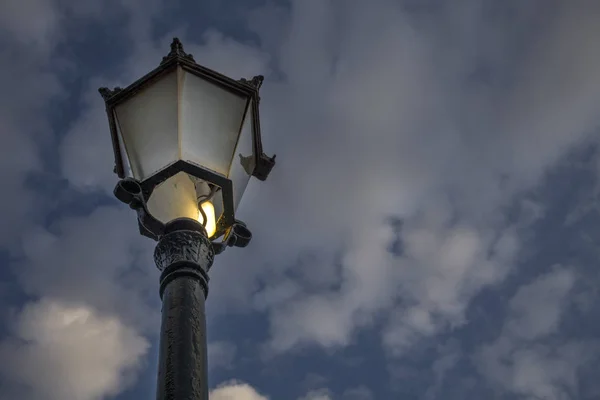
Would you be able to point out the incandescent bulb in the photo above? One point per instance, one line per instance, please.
(210, 224)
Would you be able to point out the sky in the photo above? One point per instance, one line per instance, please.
(429, 231)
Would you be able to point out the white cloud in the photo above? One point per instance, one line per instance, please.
(87, 158)
(66, 261)
(328, 318)
(118, 277)
(443, 267)
(322, 111)
(61, 351)
(441, 366)
(519, 361)
(538, 371)
(95, 286)
(236, 391)
(536, 308)
(379, 119)
(321, 394)
(31, 31)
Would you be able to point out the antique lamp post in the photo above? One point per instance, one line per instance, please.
(186, 141)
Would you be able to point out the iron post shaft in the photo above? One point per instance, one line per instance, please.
(184, 255)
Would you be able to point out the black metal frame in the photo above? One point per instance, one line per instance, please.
(131, 192)
(178, 57)
(226, 219)
(247, 88)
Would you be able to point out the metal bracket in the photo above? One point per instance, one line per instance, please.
(129, 191)
(264, 165)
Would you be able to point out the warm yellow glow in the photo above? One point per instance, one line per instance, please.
(211, 224)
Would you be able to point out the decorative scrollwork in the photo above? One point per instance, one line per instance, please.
(255, 82)
(264, 165)
(184, 245)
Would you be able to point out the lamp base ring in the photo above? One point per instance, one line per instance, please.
(181, 269)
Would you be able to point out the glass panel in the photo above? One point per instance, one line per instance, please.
(218, 204)
(210, 122)
(124, 159)
(148, 125)
(244, 159)
(176, 197)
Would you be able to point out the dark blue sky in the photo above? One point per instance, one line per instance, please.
(429, 232)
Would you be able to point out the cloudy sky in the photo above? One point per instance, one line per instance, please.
(430, 230)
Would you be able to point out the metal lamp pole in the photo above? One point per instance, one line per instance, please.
(183, 255)
(155, 149)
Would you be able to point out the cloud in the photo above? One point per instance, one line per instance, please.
(328, 318)
(66, 351)
(118, 277)
(40, 24)
(519, 360)
(221, 354)
(443, 267)
(441, 366)
(32, 34)
(323, 110)
(92, 288)
(65, 262)
(86, 153)
(235, 391)
(33, 22)
(536, 308)
(539, 371)
(321, 394)
(21, 135)
(383, 113)
(86, 150)
(440, 120)
(358, 393)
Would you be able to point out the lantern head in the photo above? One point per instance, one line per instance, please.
(190, 138)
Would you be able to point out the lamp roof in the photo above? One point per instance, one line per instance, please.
(178, 57)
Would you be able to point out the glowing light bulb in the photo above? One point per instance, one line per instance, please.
(211, 224)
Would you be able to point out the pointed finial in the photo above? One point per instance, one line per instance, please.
(177, 51)
(176, 45)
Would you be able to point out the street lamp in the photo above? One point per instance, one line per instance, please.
(186, 141)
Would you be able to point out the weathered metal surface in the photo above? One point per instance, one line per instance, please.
(184, 256)
(182, 370)
(190, 246)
